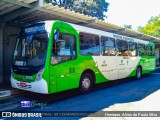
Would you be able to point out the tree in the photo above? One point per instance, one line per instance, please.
(94, 8)
(128, 26)
(140, 27)
(61, 3)
(152, 28)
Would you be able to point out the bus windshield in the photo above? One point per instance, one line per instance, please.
(31, 50)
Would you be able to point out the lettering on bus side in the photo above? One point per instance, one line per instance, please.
(127, 38)
(123, 37)
(117, 36)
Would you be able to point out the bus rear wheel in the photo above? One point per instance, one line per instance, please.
(138, 73)
(86, 83)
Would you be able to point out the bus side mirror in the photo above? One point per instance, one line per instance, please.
(56, 35)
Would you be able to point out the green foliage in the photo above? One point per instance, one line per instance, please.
(140, 27)
(94, 8)
(152, 28)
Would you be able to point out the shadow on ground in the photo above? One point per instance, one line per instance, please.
(103, 95)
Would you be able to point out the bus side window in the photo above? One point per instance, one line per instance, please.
(105, 46)
(148, 50)
(64, 49)
(112, 47)
(122, 48)
(108, 46)
(141, 49)
(152, 50)
(89, 44)
(132, 49)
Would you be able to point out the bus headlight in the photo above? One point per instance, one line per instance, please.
(39, 75)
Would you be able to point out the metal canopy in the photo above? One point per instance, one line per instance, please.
(23, 12)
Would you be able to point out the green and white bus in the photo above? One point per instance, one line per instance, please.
(53, 56)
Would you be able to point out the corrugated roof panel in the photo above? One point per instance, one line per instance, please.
(2, 3)
(10, 9)
(48, 11)
(5, 6)
(27, 1)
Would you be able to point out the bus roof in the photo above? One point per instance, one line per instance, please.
(88, 30)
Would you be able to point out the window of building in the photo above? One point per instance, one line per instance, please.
(122, 48)
(132, 49)
(108, 46)
(64, 49)
(89, 44)
(141, 49)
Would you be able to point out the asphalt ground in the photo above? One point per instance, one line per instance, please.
(121, 95)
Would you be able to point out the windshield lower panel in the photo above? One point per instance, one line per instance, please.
(23, 70)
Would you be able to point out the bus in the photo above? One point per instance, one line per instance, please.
(54, 56)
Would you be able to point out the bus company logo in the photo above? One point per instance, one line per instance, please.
(6, 114)
(104, 63)
(25, 103)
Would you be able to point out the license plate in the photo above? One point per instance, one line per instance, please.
(22, 84)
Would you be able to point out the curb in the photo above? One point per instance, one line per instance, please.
(7, 93)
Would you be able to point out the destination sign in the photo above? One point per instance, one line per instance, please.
(123, 37)
(34, 29)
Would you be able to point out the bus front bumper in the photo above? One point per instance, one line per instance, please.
(37, 86)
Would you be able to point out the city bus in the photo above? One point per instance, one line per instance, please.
(54, 56)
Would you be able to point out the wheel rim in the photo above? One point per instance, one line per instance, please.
(138, 73)
(86, 83)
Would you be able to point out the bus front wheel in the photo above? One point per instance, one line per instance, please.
(138, 73)
(86, 83)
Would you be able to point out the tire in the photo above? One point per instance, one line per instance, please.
(86, 83)
(138, 73)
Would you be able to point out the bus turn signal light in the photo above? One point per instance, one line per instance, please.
(53, 82)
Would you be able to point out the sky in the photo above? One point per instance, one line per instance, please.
(132, 12)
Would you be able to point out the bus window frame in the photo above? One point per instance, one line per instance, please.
(109, 38)
(151, 51)
(135, 48)
(71, 56)
(144, 49)
(84, 33)
(117, 48)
